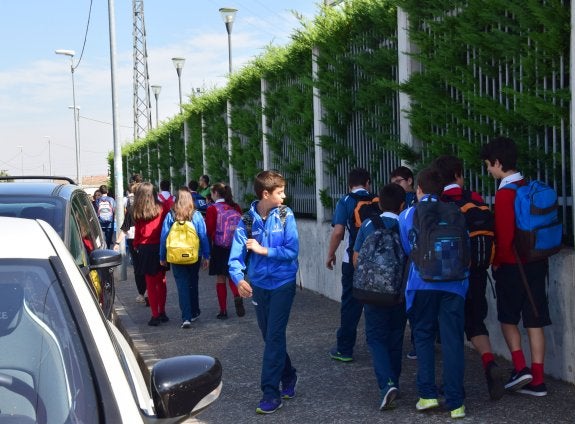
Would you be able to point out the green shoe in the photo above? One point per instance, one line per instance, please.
(459, 412)
(425, 404)
(335, 354)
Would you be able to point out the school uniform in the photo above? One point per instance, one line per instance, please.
(273, 281)
(434, 306)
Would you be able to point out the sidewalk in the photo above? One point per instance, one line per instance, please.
(328, 391)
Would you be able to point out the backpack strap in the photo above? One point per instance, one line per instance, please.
(377, 222)
(248, 221)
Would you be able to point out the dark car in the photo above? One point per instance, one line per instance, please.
(69, 210)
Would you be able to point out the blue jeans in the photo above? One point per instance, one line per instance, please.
(108, 230)
(272, 311)
(187, 277)
(351, 311)
(384, 329)
(430, 309)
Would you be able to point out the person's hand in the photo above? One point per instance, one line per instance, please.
(116, 247)
(330, 263)
(244, 289)
(205, 264)
(254, 246)
(164, 263)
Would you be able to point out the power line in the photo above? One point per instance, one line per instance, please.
(103, 122)
(85, 36)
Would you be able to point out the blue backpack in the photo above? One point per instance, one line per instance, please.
(538, 231)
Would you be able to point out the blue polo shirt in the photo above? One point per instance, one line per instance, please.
(343, 215)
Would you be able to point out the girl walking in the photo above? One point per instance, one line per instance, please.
(148, 215)
(186, 276)
(222, 217)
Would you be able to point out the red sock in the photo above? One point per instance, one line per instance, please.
(537, 372)
(222, 291)
(518, 360)
(233, 288)
(486, 358)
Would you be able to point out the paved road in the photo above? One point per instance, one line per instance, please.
(328, 391)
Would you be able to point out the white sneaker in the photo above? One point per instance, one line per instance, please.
(140, 299)
(186, 324)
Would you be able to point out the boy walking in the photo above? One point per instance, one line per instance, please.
(350, 309)
(500, 157)
(451, 170)
(384, 326)
(431, 305)
(273, 249)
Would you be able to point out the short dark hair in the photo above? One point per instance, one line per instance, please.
(103, 189)
(391, 198)
(206, 179)
(429, 181)
(450, 167)
(193, 185)
(136, 178)
(165, 185)
(358, 177)
(502, 149)
(268, 181)
(403, 172)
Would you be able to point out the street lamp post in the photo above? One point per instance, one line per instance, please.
(76, 110)
(179, 64)
(228, 15)
(49, 155)
(156, 90)
(71, 54)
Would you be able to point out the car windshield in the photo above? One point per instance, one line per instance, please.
(49, 209)
(44, 372)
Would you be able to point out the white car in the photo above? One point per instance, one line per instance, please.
(62, 361)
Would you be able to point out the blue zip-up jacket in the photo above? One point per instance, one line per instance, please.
(414, 281)
(199, 225)
(280, 265)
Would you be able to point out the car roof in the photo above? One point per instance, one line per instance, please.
(24, 239)
(38, 188)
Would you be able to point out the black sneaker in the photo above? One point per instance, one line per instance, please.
(519, 379)
(495, 377)
(222, 315)
(154, 322)
(239, 303)
(163, 317)
(530, 389)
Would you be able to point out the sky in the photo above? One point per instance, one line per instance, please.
(36, 114)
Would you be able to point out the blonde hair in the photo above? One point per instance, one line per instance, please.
(184, 205)
(146, 203)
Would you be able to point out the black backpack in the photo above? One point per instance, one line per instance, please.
(378, 277)
(439, 241)
(480, 225)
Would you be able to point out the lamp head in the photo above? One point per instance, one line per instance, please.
(70, 53)
(228, 14)
(156, 89)
(178, 62)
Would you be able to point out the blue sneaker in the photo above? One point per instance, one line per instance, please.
(338, 356)
(388, 398)
(269, 406)
(288, 388)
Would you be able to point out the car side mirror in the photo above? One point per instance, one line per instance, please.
(185, 385)
(104, 258)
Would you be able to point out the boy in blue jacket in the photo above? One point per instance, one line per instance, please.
(432, 306)
(273, 249)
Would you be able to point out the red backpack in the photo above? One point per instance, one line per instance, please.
(226, 223)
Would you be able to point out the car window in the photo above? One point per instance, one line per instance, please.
(49, 209)
(88, 225)
(42, 348)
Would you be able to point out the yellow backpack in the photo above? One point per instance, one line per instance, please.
(182, 244)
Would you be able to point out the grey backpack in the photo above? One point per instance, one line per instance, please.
(378, 278)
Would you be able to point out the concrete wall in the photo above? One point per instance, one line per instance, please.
(560, 337)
